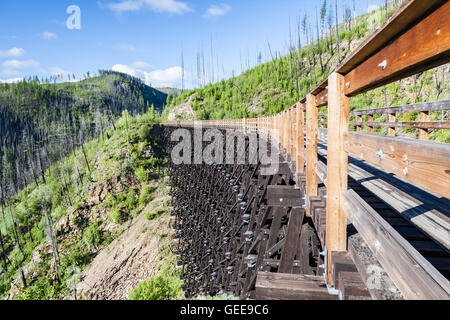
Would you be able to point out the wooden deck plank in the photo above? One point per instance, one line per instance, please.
(279, 286)
(340, 262)
(351, 287)
(425, 215)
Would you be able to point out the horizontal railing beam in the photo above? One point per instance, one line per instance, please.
(423, 47)
(411, 125)
(418, 107)
(421, 162)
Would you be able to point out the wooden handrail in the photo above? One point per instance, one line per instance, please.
(418, 107)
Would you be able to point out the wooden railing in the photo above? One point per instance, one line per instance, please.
(391, 114)
(414, 39)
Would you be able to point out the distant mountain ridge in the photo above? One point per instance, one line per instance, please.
(42, 122)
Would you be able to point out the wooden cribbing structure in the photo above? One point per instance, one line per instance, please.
(414, 39)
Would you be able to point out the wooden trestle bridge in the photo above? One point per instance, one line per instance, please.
(349, 215)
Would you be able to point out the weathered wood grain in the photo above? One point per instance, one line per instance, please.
(337, 167)
(311, 149)
(424, 213)
(351, 287)
(279, 286)
(426, 164)
(415, 277)
(421, 48)
(418, 107)
(340, 262)
(292, 236)
(300, 141)
(412, 125)
(408, 13)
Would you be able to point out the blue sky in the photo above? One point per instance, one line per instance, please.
(145, 37)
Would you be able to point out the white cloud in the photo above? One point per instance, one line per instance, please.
(170, 77)
(371, 8)
(48, 35)
(12, 67)
(20, 64)
(217, 10)
(54, 71)
(124, 6)
(170, 6)
(13, 52)
(128, 70)
(166, 78)
(141, 65)
(13, 80)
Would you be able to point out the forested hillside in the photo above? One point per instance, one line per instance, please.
(278, 84)
(41, 122)
(52, 229)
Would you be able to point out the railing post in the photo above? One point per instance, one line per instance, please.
(294, 132)
(392, 119)
(370, 119)
(358, 128)
(287, 124)
(423, 133)
(283, 126)
(265, 125)
(312, 114)
(299, 142)
(279, 132)
(337, 167)
(292, 118)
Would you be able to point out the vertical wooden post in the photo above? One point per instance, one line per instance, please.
(392, 119)
(284, 127)
(370, 120)
(358, 128)
(290, 135)
(280, 126)
(278, 130)
(300, 142)
(312, 114)
(273, 128)
(337, 167)
(423, 133)
(286, 134)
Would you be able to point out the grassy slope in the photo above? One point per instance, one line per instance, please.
(127, 162)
